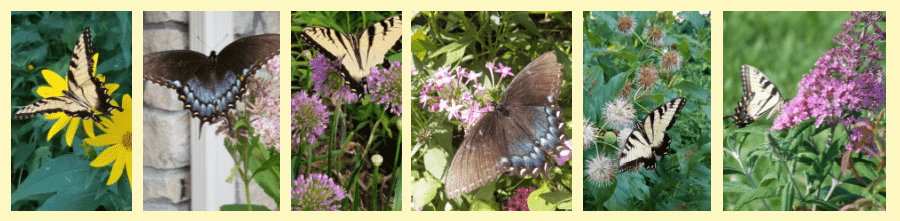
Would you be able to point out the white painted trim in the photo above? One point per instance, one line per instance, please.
(210, 162)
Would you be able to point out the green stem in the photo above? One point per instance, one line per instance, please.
(331, 140)
(247, 193)
(375, 189)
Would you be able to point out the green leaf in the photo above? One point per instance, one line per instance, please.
(756, 193)
(537, 203)
(265, 178)
(64, 173)
(423, 190)
(242, 207)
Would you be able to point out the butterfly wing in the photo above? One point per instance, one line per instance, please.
(648, 141)
(539, 83)
(760, 96)
(64, 104)
(359, 53)
(477, 161)
(248, 54)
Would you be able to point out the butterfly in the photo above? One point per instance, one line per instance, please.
(209, 86)
(760, 96)
(520, 136)
(85, 92)
(648, 142)
(357, 53)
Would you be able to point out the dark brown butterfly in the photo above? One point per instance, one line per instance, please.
(520, 136)
(209, 86)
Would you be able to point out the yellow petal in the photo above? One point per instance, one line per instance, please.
(89, 127)
(95, 63)
(59, 125)
(116, 171)
(47, 91)
(128, 167)
(112, 87)
(108, 156)
(73, 127)
(56, 115)
(55, 80)
(104, 140)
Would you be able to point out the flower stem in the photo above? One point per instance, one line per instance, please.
(375, 189)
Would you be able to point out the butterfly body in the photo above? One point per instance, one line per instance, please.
(357, 53)
(85, 92)
(210, 86)
(760, 96)
(520, 136)
(648, 142)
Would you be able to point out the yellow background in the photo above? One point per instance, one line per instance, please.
(137, 7)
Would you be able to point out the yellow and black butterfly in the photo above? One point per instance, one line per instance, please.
(648, 142)
(358, 53)
(85, 94)
(760, 96)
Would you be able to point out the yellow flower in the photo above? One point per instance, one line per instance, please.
(118, 134)
(56, 88)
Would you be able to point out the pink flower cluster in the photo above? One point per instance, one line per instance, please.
(264, 108)
(519, 201)
(455, 91)
(846, 81)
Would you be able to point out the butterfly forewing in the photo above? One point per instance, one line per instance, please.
(539, 83)
(248, 53)
(83, 84)
(765, 94)
(477, 161)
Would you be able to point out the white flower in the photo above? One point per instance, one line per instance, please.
(590, 133)
(601, 170)
(619, 113)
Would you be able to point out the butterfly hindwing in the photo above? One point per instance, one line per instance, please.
(760, 96)
(85, 92)
(209, 86)
(520, 136)
(648, 141)
(357, 53)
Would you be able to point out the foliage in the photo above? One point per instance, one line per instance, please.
(356, 130)
(616, 65)
(445, 41)
(49, 174)
(812, 165)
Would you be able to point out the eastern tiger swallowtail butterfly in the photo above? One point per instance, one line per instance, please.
(358, 53)
(760, 96)
(85, 94)
(209, 86)
(520, 136)
(648, 142)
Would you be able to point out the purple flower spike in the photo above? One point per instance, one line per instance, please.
(309, 118)
(316, 192)
(385, 87)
